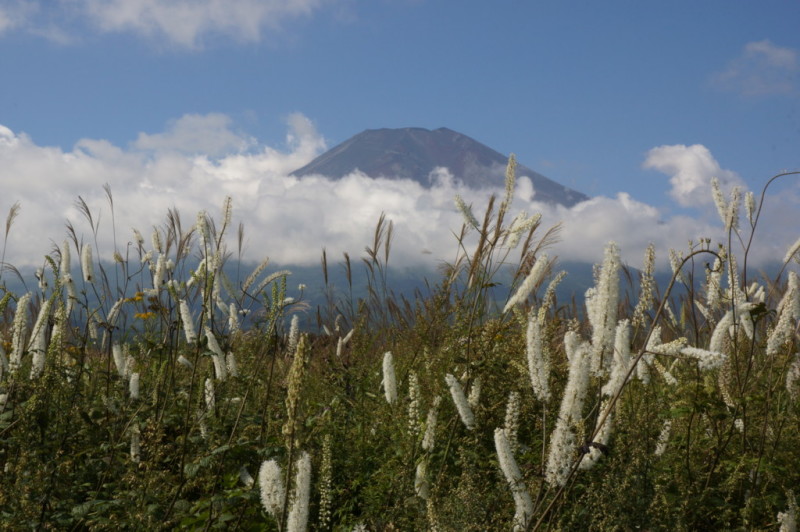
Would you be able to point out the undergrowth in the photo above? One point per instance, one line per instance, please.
(152, 390)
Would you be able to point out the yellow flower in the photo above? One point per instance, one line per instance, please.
(138, 296)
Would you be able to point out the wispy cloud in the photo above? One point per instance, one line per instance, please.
(690, 170)
(208, 134)
(186, 24)
(15, 13)
(291, 219)
(762, 69)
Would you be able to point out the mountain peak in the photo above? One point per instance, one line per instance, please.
(414, 152)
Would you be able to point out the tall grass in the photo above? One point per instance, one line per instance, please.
(156, 392)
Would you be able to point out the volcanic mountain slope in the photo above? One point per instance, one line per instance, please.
(412, 153)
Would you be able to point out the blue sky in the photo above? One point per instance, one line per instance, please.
(642, 98)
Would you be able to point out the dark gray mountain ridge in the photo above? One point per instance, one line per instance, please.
(412, 153)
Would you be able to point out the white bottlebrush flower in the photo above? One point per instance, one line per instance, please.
(298, 513)
(245, 477)
(421, 484)
(209, 395)
(92, 326)
(750, 207)
(187, 321)
(721, 334)
(130, 362)
(429, 438)
(706, 360)
(793, 378)
(522, 499)
(704, 311)
(159, 274)
(511, 425)
(217, 356)
(113, 314)
(86, 263)
(294, 334)
(563, 440)
(622, 359)
(538, 359)
(713, 290)
(675, 261)
(788, 314)
(572, 342)
(20, 331)
(133, 386)
(348, 337)
(792, 251)
(389, 380)
(460, 400)
(270, 483)
(646, 288)
(603, 431)
(601, 309)
(732, 213)
(791, 298)
(788, 519)
(233, 318)
(339, 347)
(182, 360)
(119, 359)
(136, 447)
(719, 200)
(533, 278)
(474, 397)
(669, 378)
(325, 484)
(232, 366)
(663, 437)
(3, 358)
(38, 346)
(413, 403)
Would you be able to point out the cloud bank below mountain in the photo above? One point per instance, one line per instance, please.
(200, 159)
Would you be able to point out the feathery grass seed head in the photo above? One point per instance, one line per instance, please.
(86, 263)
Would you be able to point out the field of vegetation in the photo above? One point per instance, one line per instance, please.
(148, 388)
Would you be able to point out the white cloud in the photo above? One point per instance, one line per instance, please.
(182, 23)
(15, 13)
(690, 169)
(291, 219)
(761, 69)
(192, 134)
(187, 23)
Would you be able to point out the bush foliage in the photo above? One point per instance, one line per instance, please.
(156, 391)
